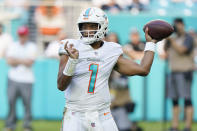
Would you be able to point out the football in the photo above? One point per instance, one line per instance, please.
(159, 29)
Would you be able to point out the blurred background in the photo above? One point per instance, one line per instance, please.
(49, 21)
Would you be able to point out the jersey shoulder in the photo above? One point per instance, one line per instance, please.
(115, 48)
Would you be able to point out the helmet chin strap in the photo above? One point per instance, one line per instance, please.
(87, 41)
(93, 42)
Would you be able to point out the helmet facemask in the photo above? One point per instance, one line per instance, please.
(91, 36)
(88, 35)
(96, 33)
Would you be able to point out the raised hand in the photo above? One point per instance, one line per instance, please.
(72, 52)
(148, 37)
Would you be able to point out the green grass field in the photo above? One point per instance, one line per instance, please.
(42, 125)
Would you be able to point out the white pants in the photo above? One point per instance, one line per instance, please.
(88, 121)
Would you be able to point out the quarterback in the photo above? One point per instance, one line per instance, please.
(84, 70)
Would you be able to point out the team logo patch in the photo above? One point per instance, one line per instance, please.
(87, 13)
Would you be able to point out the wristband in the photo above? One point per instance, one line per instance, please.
(70, 66)
(150, 46)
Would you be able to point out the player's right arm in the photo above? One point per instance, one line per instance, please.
(130, 68)
(63, 80)
(67, 67)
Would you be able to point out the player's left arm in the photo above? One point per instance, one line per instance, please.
(128, 67)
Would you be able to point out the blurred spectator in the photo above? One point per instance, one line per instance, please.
(20, 56)
(145, 2)
(121, 103)
(111, 7)
(136, 6)
(179, 48)
(121, 100)
(50, 22)
(135, 47)
(160, 49)
(5, 41)
(53, 47)
(99, 3)
(18, 4)
(112, 37)
(19, 8)
(193, 33)
(123, 4)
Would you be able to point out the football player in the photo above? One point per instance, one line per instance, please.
(84, 70)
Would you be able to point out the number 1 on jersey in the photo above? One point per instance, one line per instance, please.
(94, 70)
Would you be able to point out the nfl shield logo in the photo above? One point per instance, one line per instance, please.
(93, 124)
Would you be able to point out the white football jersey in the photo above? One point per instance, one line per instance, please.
(88, 89)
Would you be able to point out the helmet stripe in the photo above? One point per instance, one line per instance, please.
(87, 12)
